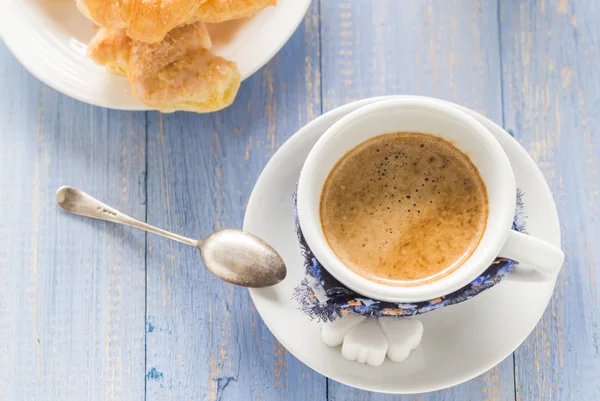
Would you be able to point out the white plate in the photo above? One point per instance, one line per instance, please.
(459, 342)
(49, 37)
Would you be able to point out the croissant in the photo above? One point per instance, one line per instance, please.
(225, 10)
(143, 20)
(151, 20)
(178, 73)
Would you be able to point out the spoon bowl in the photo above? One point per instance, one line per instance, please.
(242, 259)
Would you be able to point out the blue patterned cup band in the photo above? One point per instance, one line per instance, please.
(322, 297)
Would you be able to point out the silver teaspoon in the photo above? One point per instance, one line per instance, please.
(232, 255)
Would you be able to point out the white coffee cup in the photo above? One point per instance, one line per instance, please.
(433, 117)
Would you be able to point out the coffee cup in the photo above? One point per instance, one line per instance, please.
(431, 117)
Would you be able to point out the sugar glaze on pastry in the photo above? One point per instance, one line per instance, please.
(143, 20)
(151, 20)
(225, 10)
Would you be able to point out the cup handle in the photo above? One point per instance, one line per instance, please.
(544, 258)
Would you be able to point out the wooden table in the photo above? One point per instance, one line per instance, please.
(94, 311)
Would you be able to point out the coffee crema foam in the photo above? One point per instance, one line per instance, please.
(404, 209)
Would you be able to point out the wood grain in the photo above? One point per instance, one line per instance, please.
(552, 97)
(446, 49)
(72, 290)
(207, 342)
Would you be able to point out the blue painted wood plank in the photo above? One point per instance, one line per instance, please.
(446, 49)
(552, 97)
(72, 294)
(205, 340)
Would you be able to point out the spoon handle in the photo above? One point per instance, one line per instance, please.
(75, 201)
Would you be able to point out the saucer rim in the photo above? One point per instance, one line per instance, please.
(461, 378)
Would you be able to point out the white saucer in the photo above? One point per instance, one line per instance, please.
(49, 37)
(459, 342)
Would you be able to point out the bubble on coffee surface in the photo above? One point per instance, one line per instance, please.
(419, 199)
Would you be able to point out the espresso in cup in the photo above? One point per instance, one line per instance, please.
(404, 209)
